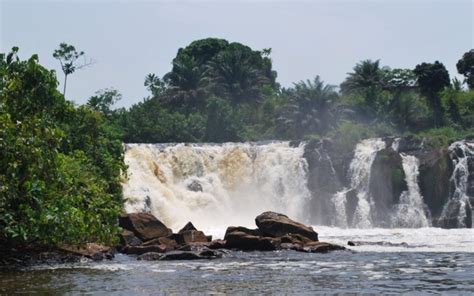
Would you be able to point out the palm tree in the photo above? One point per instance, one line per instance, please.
(366, 80)
(185, 82)
(234, 75)
(310, 108)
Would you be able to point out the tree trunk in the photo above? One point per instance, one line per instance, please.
(65, 82)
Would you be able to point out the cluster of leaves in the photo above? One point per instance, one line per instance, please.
(60, 166)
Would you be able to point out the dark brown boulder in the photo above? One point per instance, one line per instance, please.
(188, 226)
(169, 242)
(277, 225)
(190, 255)
(323, 247)
(190, 236)
(150, 256)
(246, 242)
(92, 251)
(246, 230)
(138, 250)
(144, 225)
(128, 238)
(217, 244)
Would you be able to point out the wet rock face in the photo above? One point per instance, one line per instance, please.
(435, 171)
(195, 186)
(275, 225)
(144, 225)
(387, 182)
(323, 181)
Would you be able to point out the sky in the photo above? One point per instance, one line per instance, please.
(129, 39)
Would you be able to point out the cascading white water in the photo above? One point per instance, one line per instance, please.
(410, 211)
(359, 172)
(461, 152)
(216, 185)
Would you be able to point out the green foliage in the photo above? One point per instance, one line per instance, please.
(60, 167)
(67, 55)
(432, 79)
(465, 67)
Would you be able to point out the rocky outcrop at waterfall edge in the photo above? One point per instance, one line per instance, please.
(275, 232)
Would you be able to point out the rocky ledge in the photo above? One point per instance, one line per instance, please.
(148, 238)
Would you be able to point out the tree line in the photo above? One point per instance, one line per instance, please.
(219, 91)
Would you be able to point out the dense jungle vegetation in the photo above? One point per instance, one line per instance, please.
(61, 164)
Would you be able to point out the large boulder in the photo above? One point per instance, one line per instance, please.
(189, 234)
(246, 242)
(144, 225)
(276, 225)
(182, 255)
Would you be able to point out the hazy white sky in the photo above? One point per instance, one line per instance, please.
(129, 39)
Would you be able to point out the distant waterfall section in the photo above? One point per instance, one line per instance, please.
(411, 210)
(359, 172)
(457, 211)
(216, 185)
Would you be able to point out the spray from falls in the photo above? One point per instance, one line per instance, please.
(216, 185)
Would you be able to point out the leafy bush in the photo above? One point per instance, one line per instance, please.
(60, 166)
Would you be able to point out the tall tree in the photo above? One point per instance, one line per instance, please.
(366, 80)
(68, 56)
(433, 78)
(465, 67)
(309, 109)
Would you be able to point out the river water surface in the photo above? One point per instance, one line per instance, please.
(434, 261)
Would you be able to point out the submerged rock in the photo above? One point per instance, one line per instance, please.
(380, 243)
(144, 225)
(276, 225)
(181, 255)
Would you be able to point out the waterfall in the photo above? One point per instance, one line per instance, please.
(457, 211)
(359, 172)
(216, 185)
(411, 210)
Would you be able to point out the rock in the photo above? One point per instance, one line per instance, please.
(217, 244)
(127, 238)
(188, 226)
(379, 243)
(435, 170)
(248, 231)
(190, 236)
(150, 256)
(169, 242)
(322, 247)
(387, 182)
(138, 250)
(195, 186)
(277, 225)
(246, 242)
(194, 247)
(92, 251)
(183, 255)
(144, 225)
(209, 238)
(323, 181)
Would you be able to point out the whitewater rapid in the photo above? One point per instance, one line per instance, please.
(213, 185)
